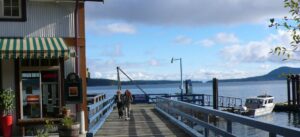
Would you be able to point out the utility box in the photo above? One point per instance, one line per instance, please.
(73, 89)
(188, 87)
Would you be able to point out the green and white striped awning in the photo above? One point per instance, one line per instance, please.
(33, 48)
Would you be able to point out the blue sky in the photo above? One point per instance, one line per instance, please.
(221, 38)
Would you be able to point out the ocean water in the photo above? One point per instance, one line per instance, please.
(278, 89)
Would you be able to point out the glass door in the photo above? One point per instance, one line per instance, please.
(50, 99)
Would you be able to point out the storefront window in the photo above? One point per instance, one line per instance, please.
(40, 94)
(31, 95)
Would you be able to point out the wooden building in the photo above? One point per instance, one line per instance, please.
(41, 42)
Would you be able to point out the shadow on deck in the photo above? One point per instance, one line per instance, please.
(144, 121)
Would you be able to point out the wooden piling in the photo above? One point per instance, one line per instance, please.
(297, 90)
(215, 93)
(293, 90)
(288, 82)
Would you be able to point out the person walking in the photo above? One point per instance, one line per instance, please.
(119, 101)
(127, 103)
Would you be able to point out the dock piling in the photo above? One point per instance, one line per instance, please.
(297, 90)
(215, 93)
(288, 82)
(293, 90)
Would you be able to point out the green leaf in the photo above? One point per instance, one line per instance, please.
(272, 20)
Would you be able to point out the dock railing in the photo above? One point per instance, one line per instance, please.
(98, 110)
(188, 116)
(207, 100)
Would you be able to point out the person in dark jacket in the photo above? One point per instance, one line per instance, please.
(119, 101)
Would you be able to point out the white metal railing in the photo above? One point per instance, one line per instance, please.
(188, 116)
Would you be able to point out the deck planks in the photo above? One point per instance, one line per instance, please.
(144, 121)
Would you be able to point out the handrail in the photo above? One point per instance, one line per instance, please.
(98, 113)
(206, 100)
(192, 113)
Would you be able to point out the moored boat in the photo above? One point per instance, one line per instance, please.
(260, 105)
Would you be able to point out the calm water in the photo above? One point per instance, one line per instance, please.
(234, 89)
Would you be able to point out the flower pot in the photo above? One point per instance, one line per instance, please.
(72, 131)
(7, 122)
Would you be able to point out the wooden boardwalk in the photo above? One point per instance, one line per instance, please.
(144, 121)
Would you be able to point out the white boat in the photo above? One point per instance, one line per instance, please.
(260, 105)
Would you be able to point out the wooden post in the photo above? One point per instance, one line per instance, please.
(293, 90)
(62, 81)
(215, 93)
(297, 90)
(288, 82)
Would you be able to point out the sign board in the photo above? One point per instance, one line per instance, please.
(49, 76)
(73, 89)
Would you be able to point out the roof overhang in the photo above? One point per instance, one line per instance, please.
(58, 1)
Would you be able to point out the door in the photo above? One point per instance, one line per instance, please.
(50, 99)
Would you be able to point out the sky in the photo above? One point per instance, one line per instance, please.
(221, 39)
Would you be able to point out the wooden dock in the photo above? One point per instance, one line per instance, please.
(144, 121)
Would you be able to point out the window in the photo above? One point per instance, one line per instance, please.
(12, 10)
(271, 101)
(40, 94)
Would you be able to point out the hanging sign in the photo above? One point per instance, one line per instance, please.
(73, 89)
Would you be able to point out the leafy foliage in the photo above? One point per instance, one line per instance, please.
(7, 98)
(67, 121)
(292, 25)
(45, 131)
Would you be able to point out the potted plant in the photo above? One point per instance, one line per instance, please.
(7, 98)
(69, 128)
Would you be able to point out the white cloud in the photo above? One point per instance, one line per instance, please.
(209, 74)
(112, 28)
(101, 68)
(120, 28)
(205, 43)
(265, 66)
(226, 38)
(154, 62)
(187, 12)
(113, 51)
(183, 40)
(219, 38)
(257, 51)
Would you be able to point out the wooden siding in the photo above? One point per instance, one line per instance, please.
(44, 19)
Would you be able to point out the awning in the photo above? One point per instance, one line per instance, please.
(33, 48)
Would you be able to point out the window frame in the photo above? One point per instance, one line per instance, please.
(22, 16)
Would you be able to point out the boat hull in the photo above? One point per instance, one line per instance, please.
(260, 111)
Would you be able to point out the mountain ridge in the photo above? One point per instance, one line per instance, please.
(276, 74)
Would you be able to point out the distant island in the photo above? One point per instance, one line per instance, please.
(109, 82)
(276, 74)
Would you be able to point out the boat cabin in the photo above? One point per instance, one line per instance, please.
(259, 101)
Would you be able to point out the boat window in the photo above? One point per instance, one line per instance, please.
(270, 100)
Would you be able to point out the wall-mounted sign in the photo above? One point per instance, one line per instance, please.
(73, 89)
(49, 76)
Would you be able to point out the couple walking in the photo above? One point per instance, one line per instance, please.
(124, 102)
